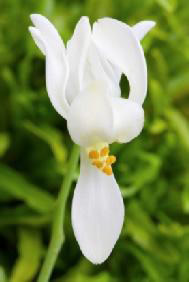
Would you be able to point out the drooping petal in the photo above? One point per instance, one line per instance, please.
(49, 42)
(90, 117)
(118, 43)
(77, 48)
(97, 212)
(142, 28)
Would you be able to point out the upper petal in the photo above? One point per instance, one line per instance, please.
(97, 212)
(90, 117)
(113, 72)
(118, 43)
(37, 37)
(99, 69)
(50, 43)
(142, 28)
(77, 48)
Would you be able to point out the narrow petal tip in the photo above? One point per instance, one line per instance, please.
(36, 35)
(33, 30)
(142, 28)
(150, 24)
(84, 18)
(30, 28)
(35, 17)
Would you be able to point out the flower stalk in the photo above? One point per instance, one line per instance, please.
(57, 234)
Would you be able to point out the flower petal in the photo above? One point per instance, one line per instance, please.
(97, 212)
(90, 117)
(100, 69)
(128, 119)
(119, 44)
(113, 72)
(36, 35)
(77, 48)
(49, 42)
(142, 28)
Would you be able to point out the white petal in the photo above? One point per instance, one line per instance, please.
(90, 117)
(77, 48)
(97, 212)
(113, 72)
(142, 28)
(48, 32)
(50, 43)
(128, 119)
(101, 69)
(36, 35)
(118, 43)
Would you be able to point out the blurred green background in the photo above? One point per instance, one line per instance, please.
(152, 171)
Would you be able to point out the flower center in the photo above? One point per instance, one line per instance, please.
(99, 157)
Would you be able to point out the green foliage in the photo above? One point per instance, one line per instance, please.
(152, 171)
(30, 251)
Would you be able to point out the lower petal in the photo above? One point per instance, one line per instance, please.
(97, 212)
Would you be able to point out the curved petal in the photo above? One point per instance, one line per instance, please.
(142, 28)
(90, 117)
(119, 44)
(77, 48)
(113, 72)
(49, 42)
(100, 69)
(128, 119)
(36, 35)
(97, 212)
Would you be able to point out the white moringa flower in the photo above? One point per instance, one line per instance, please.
(83, 85)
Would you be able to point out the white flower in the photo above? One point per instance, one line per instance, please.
(83, 85)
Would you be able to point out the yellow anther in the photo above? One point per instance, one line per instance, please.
(107, 170)
(99, 157)
(94, 154)
(98, 163)
(111, 160)
(104, 151)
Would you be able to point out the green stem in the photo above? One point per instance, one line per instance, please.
(57, 238)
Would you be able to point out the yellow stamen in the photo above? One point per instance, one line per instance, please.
(94, 154)
(99, 157)
(98, 163)
(104, 151)
(107, 170)
(111, 160)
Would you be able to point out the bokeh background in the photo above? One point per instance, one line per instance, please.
(152, 171)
